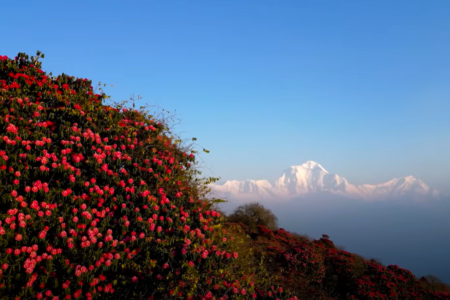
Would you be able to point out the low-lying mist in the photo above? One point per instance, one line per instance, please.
(414, 236)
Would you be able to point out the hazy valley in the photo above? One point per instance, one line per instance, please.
(402, 221)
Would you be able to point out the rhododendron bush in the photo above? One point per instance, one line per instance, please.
(97, 202)
(315, 269)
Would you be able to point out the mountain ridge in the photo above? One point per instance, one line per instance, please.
(311, 178)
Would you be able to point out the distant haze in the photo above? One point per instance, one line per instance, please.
(414, 236)
(401, 221)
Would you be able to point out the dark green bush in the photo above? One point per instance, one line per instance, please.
(254, 214)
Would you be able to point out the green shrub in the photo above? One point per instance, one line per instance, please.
(254, 214)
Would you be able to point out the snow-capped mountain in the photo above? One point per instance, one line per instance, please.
(311, 178)
(399, 187)
(247, 189)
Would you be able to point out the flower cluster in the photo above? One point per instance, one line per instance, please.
(97, 202)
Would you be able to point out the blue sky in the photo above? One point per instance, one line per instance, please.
(362, 87)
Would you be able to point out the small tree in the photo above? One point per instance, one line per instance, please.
(254, 214)
(433, 279)
(304, 238)
(376, 261)
(434, 284)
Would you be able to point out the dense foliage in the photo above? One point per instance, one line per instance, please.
(97, 201)
(254, 214)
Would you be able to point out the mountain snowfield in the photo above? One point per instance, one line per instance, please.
(311, 178)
